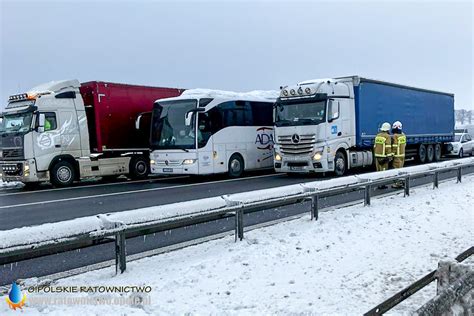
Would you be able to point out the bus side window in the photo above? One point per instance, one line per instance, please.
(262, 113)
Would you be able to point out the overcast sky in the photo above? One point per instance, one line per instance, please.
(236, 45)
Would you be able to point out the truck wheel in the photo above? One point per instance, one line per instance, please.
(62, 174)
(139, 168)
(340, 164)
(429, 153)
(236, 166)
(437, 152)
(421, 154)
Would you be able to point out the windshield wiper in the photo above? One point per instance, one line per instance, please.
(283, 123)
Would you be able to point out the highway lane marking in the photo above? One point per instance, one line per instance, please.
(136, 191)
(94, 185)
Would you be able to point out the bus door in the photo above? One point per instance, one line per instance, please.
(205, 144)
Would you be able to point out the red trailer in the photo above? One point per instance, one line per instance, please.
(112, 110)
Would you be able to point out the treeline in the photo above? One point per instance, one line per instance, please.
(464, 116)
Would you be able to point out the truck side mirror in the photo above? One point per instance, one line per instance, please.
(187, 118)
(41, 121)
(137, 121)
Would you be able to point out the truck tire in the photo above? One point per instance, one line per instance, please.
(340, 164)
(437, 152)
(138, 168)
(429, 153)
(62, 174)
(236, 166)
(421, 156)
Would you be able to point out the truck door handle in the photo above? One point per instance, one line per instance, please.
(339, 134)
(57, 146)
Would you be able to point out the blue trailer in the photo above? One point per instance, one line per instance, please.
(427, 115)
(329, 125)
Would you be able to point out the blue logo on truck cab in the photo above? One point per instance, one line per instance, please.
(334, 129)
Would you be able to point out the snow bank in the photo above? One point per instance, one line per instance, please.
(168, 211)
(347, 262)
(51, 232)
(48, 232)
(266, 95)
(9, 184)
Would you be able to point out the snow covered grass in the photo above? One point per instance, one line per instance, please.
(346, 263)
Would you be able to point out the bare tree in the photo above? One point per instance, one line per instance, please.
(460, 115)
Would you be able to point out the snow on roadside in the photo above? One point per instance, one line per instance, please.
(9, 184)
(350, 260)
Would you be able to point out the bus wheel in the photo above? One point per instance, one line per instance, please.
(62, 174)
(437, 152)
(429, 153)
(421, 157)
(138, 168)
(236, 166)
(340, 164)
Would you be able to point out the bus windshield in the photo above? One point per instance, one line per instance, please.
(170, 129)
(311, 113)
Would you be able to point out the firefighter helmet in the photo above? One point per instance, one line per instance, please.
(385, 127)
(397, 125)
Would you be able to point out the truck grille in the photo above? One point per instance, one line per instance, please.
(304, 146)
(12, 153)
(169, 163)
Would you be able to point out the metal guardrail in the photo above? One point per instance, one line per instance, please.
(119, 233)
(412, 289)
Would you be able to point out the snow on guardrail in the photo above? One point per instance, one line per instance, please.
(51, 233)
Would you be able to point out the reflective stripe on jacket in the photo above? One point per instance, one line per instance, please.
(382, 145)
(398, 145)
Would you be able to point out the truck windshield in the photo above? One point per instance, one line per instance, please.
(15, 123)
(170, 129)
(312, 113)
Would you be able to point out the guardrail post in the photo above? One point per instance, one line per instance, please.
(435, 180)
(120, 253)
(459, 174)
(367, 190)
(406, 192)
(315, 207)
(239, 225)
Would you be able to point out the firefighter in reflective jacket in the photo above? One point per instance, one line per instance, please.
(399, 143)
(383, 148)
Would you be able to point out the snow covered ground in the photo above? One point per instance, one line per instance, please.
(346, 263)
(9, 184)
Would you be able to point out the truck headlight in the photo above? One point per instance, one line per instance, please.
(26, 170)
(277, 157)
(319, 153)
(152, 162)
(188, 161)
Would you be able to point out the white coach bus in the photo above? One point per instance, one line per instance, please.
(209, 132)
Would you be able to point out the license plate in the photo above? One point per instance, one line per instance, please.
(167, 169)
(296, 168)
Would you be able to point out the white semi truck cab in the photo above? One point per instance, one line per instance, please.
(315, 128)
(41, 128)
(64, 131)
